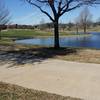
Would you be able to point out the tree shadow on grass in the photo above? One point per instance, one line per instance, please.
(30, 56)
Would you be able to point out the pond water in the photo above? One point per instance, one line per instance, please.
(91, 41)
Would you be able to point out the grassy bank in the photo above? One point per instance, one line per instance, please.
(6, 41)
(14, 92)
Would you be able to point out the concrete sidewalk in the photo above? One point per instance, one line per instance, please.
(74, 79)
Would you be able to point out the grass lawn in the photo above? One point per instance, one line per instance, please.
(14, 92)
(22, 33)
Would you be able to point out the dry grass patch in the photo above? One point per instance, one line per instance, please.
(14, 92)
(83, 55)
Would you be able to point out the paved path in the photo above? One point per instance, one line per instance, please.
(57, 76)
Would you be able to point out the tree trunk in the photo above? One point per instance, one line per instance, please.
(56, 34)
(77, 29)
(85, 29)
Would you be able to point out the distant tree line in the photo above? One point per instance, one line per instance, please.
(49, 26)
(70, 26)
(16, 26)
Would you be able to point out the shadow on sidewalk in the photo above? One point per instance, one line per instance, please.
(30, 56)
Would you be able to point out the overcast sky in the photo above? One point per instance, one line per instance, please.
(22, 13)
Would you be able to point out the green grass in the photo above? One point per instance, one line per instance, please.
(22, 33)
(14, 92)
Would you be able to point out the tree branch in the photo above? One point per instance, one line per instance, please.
(29, 1)
(51, 3)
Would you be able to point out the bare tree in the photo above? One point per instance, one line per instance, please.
(58, 8)
(98, 21)
(77, 26)
(69, 26)
(85, 19)
(4, 17)
(42, 24)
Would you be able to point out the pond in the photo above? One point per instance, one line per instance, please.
(91, 41)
